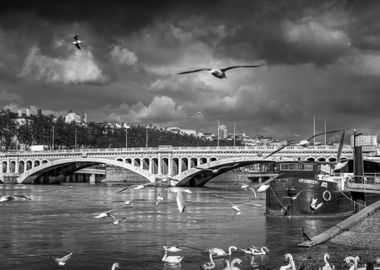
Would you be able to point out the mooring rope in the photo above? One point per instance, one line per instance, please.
(351, 199)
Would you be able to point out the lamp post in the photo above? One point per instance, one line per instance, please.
(217, 142)
(146, 136)
(75, 137)
(126, 136)
(52, 140)
(234, 134)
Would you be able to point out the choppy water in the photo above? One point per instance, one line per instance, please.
(60, 219)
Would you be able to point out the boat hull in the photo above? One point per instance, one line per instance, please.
(294, 196)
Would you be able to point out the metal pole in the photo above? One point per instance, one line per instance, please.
(146, 136)
(314, 130)
(326, 135)
(126, 137)
(234, 134)
(218, 135)
(75, 137)
(52, 141)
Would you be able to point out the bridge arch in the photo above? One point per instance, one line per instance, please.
(92, 161)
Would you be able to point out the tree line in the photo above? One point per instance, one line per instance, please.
(53, 131)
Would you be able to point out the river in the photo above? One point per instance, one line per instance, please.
(60, 219)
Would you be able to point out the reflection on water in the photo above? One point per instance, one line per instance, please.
(60, 219)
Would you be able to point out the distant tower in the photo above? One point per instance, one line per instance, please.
(19, 111)
(223, 131)
(27, 112)
(39, 112)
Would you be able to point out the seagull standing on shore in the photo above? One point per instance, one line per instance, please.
(305, 236)
(219, 73)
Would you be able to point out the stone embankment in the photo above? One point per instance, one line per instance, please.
(360, 230)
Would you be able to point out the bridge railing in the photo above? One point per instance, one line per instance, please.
(267, 148)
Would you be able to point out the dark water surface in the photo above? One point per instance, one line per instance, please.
(60, 219)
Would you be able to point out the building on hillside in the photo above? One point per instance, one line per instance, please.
(209, 136)
(80, 119)
(23, 117)
(190, 132)
(173, 129)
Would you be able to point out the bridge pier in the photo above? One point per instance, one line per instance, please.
(92, 179)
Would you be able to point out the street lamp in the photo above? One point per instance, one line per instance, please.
(146, 136)
(217, 142)
(75, 137)
(52, 140)
(234, 134)
(126, 136)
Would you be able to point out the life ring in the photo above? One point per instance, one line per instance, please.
(327, 195)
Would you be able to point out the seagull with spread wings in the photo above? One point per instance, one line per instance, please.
(180, 198)
(220, 73)
(62, 261)
(303, 143)
(141, 186)
(216, 170)
(76, 42)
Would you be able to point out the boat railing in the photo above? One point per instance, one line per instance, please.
(369, 182)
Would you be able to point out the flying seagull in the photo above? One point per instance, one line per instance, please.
(180, 197)
(215, 171)
(76, 42)
(220, 73)
(303, 143)
(62, 261)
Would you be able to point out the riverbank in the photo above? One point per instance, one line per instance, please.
(365, 234)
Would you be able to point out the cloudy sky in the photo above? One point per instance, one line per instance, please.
(322, 59)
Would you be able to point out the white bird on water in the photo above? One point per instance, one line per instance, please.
(232, 265)
(76, 42)
(171, 259)
(261, 251)
(172, 248)
(6, 198)
(220, 73)
(210, 264)
(291, 265)
(218, 252)
(180, 197)
(114, 266)
(327, 265)
(62, 261)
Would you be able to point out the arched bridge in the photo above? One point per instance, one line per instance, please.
(182, 165)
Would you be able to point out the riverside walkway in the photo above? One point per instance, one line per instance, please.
(360, 229)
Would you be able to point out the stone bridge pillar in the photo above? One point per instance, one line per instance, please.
(8, 166)
(150, 165)
(159, 164)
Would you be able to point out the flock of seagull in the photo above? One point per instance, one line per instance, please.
(214, 253)
(219, 73)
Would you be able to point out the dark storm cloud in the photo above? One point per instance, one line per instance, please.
(323, 59)
(109, 16)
